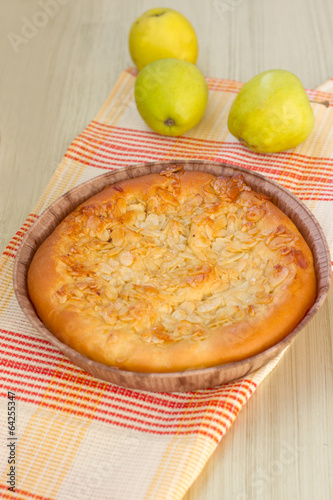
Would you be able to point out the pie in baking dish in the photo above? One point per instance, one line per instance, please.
(173, 271)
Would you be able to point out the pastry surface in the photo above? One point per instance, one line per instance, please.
(173, 271)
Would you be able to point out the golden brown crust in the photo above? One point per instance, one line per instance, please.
(173, 271)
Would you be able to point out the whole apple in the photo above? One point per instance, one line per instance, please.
(162, 33)
(171, 96)
(271, 113)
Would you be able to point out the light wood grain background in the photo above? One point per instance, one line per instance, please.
(52, 84)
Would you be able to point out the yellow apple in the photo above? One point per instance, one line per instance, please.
(271, 113)
(171, 96)
(162, 33)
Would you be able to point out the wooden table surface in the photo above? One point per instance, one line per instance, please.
(55, 77)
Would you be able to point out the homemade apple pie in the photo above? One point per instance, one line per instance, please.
(173, 271)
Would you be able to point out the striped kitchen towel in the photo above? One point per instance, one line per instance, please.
(76, 437)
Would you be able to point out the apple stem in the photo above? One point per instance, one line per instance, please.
(169, 122)
(325, 103)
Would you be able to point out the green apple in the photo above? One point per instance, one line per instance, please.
(271, 113)
(171, 96)
(162, 33)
